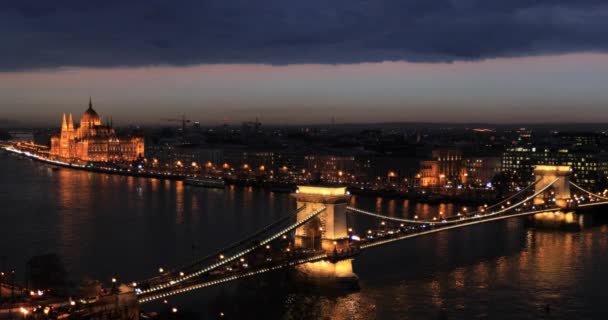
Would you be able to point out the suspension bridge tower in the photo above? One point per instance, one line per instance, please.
(545, 175)
(558, 194)
(327, 232)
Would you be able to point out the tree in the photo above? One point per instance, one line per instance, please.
(5, 135)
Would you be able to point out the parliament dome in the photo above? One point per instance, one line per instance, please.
(90, 117)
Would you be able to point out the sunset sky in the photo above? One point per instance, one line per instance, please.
(290, 62)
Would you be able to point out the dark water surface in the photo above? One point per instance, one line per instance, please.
(105, 226)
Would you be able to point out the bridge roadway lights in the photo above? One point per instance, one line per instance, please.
(328, 232)
(545, 174)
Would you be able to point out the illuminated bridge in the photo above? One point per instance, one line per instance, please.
(316, 240)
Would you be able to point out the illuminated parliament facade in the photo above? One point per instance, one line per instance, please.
(94, 141)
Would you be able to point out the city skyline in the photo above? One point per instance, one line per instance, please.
(281, 159)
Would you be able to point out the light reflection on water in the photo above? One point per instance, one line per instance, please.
(104, 226)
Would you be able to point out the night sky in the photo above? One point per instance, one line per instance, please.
(292, 62)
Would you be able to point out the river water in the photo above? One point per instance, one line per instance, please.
(105, 226)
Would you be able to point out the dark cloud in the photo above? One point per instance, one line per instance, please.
(48, 34)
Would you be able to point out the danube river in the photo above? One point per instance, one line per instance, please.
(105, 226)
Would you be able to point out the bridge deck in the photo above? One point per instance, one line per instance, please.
(282, 259)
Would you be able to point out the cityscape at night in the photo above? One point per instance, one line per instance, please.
(321, 160)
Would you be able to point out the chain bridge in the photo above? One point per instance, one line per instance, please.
(316, 238)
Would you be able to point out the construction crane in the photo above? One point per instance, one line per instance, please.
(183, 120)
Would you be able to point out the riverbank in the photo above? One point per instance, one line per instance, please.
(116, 171)
(270, 186)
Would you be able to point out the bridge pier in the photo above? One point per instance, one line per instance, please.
(557, 220)
(326, 233)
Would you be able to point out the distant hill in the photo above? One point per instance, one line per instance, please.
(6, 123)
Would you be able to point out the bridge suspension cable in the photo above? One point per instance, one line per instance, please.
(587, 191)
(476, 220)
(224, 249)
(513, 195)
(476, 216)
(237, 255)
(416, 221)
(381, 216)
(453, 226)
(195, 286)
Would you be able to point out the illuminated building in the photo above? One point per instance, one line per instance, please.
(445, 168)
(429, 173)
(329, 164)
(450, 163)
(588, 165)
(579, 139)
(94, 141)
(480, 170)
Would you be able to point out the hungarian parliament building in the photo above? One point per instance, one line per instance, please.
(94, 141)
